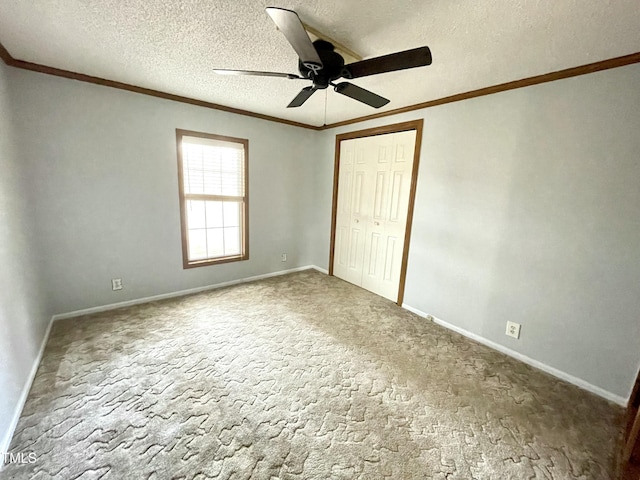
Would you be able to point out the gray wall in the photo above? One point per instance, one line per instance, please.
(23, 307)
(528, 209)
(103, 164)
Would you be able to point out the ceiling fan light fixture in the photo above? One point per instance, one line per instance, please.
(320, 62)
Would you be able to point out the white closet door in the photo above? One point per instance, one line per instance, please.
(384, 244)
(351, 217)
(373, 198)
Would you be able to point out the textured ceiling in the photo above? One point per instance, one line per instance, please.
(172, 45)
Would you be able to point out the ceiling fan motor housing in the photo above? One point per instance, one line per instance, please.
(319, 62)
(332, 65)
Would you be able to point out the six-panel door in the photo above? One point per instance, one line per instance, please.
(373, 199)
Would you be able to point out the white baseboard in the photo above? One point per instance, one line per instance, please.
(8, 436)
(525, 359)
(180, 293)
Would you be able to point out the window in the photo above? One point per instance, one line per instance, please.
(212, 171)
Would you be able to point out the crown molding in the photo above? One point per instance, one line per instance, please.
(503, 87)
(525, 82)
(36, 67)
(5, 55)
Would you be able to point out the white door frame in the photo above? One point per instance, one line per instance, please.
(397, 127)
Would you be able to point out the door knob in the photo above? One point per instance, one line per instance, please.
(376, 223)
(356, 221)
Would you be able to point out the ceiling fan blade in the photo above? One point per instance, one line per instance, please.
(360, 94)
(222, 71)
(302, 97)
(417, 57)
(290, 25)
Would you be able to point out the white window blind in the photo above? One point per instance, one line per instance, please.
(214, 194)
(213, 167)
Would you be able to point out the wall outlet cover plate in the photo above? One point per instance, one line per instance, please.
(513, 329)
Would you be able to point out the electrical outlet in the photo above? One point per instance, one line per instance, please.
(513, 329)
(116, 284)
(284, 257)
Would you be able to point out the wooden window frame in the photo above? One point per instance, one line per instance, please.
(244, 210)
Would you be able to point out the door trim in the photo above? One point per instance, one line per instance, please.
(371, 132)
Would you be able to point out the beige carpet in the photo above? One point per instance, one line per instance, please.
(298, 377)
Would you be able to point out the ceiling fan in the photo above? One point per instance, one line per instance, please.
(322, 65)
